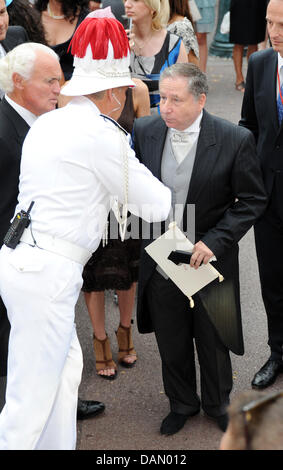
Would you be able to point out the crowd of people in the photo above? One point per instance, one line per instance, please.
(113, 111)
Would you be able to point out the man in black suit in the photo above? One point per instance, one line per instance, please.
(25, 100)
(261, 116)
(9, 38)
(212, 164)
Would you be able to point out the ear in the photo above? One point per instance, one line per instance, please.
(202, 100)
(18, 81)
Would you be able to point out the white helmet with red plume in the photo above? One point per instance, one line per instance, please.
(101, 57)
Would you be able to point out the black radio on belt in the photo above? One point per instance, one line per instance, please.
(17, 227)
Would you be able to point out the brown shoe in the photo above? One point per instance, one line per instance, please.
(103, 356)
(126, 346)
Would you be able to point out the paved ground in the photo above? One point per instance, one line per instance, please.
(135, 401)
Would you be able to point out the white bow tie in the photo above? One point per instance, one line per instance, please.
(181, 143)
(179, 136)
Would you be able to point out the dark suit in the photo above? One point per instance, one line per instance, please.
(13, 130)
(12, 133)
(259, 114)
(15, 35)
(225, 168)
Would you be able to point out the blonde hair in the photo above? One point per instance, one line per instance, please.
(161, 13)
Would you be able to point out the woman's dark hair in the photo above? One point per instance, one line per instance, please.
(21, 13)
(70, 8)
(180, 7)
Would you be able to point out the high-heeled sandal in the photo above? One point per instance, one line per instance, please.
(126, 346)
(103, 357)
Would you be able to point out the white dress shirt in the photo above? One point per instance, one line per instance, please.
(29, 117)
(2, 51)
(280, 70)
(71, 166)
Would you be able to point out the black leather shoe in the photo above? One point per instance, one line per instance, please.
(88, 408)
(174, 422)
(222, 421)
(267, 374)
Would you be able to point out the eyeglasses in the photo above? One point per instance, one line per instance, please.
(248, 410)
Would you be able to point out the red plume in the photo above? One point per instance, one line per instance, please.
(97, 32)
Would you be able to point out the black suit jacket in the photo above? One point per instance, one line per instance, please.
(259, 113)
(15, 35)
(13, 130)
(227, 190)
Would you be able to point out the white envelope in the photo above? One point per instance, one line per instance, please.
(189, 280)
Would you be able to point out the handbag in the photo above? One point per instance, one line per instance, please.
(225, 24)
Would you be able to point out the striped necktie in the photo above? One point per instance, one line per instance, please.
(280, 104)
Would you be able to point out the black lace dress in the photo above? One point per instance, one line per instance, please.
(115, 266)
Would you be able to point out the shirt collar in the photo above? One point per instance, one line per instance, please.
(280, 61)
(2, 51)
(27, 116)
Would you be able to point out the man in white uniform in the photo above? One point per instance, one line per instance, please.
(74, 160)
(30, 75)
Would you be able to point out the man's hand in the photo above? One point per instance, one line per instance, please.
(201, 254)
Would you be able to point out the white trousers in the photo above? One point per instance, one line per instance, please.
(40, 291)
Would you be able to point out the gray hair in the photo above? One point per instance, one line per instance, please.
(197, 81)
(20, 60)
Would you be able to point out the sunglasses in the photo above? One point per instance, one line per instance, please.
(256, 405)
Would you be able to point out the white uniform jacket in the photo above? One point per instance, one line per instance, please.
(71, 166)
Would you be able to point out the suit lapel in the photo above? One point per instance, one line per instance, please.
(18, 122)
(13, 37)
(205, 158)
(9, 42)
(155, 144)
(5, 45)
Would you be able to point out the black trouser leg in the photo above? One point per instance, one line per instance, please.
(4, 338)
(172, 321)
(269, 247)
(175, 325)
(3, 383)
